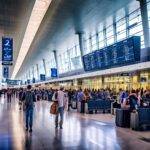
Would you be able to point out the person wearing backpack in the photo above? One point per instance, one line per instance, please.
(29, 99)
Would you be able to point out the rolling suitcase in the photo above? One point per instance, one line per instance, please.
(134, 121)
(122, 117)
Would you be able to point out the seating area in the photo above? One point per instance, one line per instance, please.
(95, 105)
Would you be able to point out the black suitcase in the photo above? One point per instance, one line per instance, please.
(122, 117)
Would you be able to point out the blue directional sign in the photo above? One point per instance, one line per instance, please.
(6, 72)
(7, 49)
(42, 77)
(54, 72)
(33, 80)
(28, 81)
(12, 82)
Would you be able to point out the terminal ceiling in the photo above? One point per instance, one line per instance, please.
(63, 19)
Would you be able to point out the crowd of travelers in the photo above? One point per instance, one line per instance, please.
(64, 98)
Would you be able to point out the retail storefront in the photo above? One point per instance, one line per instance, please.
(126, 81)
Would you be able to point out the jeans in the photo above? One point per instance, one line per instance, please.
(61, 113)
(29, 117)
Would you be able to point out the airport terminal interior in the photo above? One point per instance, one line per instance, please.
(75, 75)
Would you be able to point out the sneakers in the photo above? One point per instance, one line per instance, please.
(61, 127)
(29, 130)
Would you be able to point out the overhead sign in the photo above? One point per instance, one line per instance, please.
(33, 80)
(7, 63)
(119, 54)
(6, 72)
(12, 82)
(42, 77)
(7, 50)
(28, 81)
(54, 72)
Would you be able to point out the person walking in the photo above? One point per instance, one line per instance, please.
(61, 97)
(81, 100)
(9, 95)
(20, 98)
(29, 99)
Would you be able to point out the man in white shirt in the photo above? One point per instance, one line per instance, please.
(61, 98)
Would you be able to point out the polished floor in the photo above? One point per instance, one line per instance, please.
(79, 132)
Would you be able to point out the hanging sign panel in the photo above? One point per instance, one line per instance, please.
(54, 72)
(6, 72)
(7, 50)
(42, 77)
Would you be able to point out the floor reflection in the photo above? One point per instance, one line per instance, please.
(78, 133)
(28, 141)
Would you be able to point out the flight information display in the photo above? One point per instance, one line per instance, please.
(121, 53)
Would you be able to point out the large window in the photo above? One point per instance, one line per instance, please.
(121, 29)
(70, 60)
(110, 35)
(94, 42)
(87, 48)
(135, 25)
(101, 39)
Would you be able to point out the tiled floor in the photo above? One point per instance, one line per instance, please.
(80, 132)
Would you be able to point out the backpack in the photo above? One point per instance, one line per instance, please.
(29, 99)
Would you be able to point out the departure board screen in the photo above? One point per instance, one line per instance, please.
(121, 53)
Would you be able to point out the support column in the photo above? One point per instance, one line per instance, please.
(55, 57)
(90, 40)
(56, 61)
(33, 72)
(105, 39)
(29, 74)
(114, 29)
(144, 16)
(69, 57)
(97, 40)
(81, 45)
(44, 65)
(38, 75)
(127, 21)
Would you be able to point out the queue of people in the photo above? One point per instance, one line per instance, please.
(126, 99)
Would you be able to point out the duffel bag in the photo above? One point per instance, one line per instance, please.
(54, 108)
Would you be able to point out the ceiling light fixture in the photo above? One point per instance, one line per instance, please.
(37, 15)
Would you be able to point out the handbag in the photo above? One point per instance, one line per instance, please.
(54, 108)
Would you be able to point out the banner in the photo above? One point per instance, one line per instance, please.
(7, 49)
